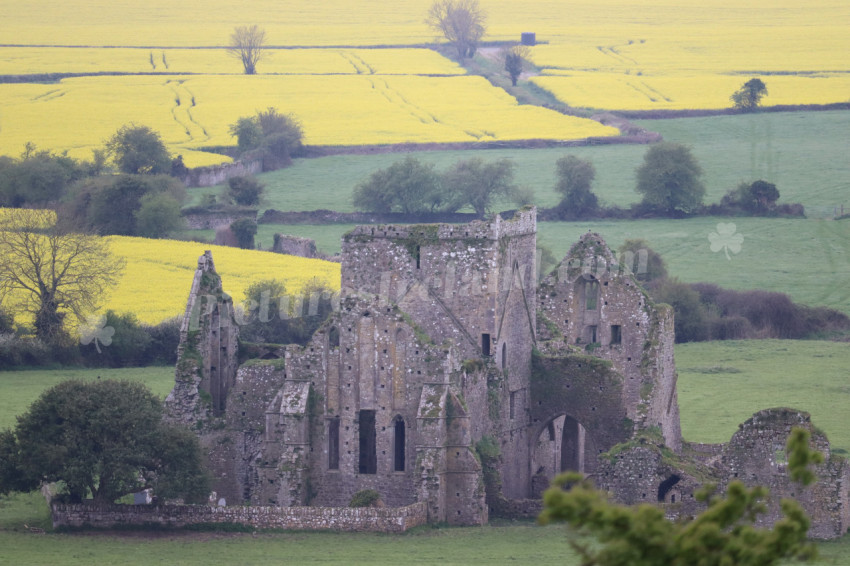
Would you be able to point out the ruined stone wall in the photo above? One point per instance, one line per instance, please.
(474, 285)
(756, 456)
(207, 356)
(365, 519)
(644, 470)
(593, 303)
(213, 219)
(367, 357)
(295, 245)
(589, 391)
(217, 174)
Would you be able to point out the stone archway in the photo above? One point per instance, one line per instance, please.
(562, 444)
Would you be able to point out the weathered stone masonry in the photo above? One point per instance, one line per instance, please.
(446, 368)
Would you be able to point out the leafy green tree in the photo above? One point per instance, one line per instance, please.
(408, 186)
(138, 150)
(278, 136)
(248, 133)
(575, 177)
(476, 183)
(49, 273)
(723, 534)
(114, 205)
(245, 191)
(758, 197)
(38, 178)
(158, 215)
(244, 229)
(749, 95)
(514, 60)
(669, 179)
(248, 44)
(461, 22)
(102, 438)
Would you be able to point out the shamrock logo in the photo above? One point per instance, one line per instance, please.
(95, 330)
(726, 239)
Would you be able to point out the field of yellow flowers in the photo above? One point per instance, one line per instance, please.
(193, 111)
(601, 54)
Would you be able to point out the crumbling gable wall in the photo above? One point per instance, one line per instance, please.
(756, 456)
(592, 302)
(207, 356)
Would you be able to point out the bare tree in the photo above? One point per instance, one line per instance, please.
(462, 22)
(49, 273)
(247, 43)
(514, 61)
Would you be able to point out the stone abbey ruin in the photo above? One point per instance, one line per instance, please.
(450, 378)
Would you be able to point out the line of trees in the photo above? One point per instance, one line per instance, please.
(670, 180)
(413, 187)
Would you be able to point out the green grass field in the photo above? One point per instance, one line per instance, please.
(720, 385)
(803, 153)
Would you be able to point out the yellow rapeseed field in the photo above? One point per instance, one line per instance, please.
(403, 61)
(604, 54)
(193, 111)
(158, 274)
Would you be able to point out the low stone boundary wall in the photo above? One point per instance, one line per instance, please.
(361, 519)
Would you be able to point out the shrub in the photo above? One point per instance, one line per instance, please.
(691, 321)
(158, 216)
(365, 498)
(245, 191)
(244, 229)
(273, 316)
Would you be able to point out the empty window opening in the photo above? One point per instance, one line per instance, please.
(616, 335)
(666, 486)
(333, 337)
(485, 344)
(368, 461)
(591, 295)
(398, 444)
(504, 356)
(513, 403)
(418, 255)
(551, 429)
(590, 334)
(333, 444)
